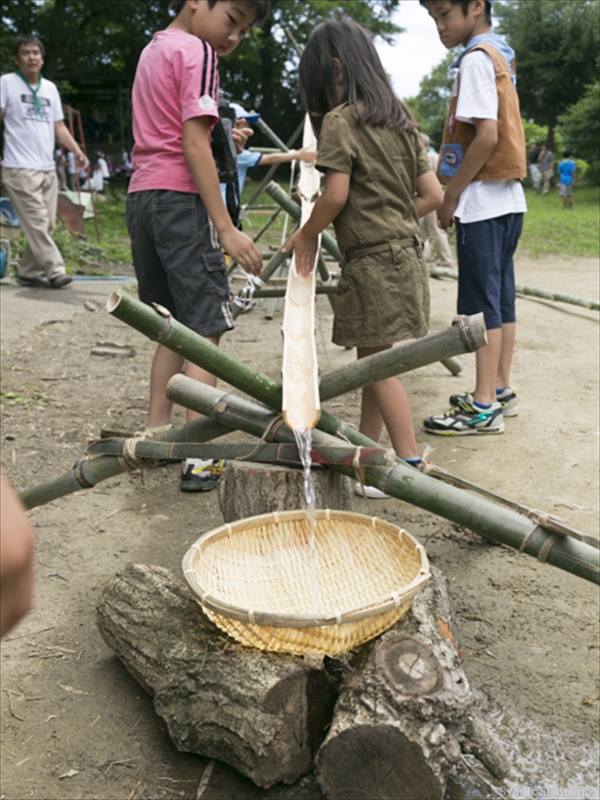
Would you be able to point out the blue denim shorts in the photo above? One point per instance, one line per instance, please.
(178, 260)
(486, 275)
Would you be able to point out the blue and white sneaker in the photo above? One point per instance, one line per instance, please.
(507, 398)
(467, 420)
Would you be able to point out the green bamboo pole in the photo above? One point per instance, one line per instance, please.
(162, 328)
(88, 472)
(261, 453)
(530, 291)
(404, 482)
(465, 335)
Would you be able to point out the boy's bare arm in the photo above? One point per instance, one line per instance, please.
(480, 149)
(199, 157)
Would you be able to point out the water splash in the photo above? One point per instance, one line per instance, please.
(304, 444)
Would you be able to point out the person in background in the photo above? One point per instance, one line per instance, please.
(16, 553)
(534, 166)
(566, 174)
(71, 172)
(31, 111)
(546, 169)
(432, 235)
(61, 167)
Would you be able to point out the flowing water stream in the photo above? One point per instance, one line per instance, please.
(304, 444)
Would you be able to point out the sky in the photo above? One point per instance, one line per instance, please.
(415, 52)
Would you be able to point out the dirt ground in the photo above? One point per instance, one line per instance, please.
(76, 725)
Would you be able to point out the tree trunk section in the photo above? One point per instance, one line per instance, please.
(249, 489)
(263, 713)
(402, 712)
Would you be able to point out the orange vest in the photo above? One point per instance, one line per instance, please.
(508, 159)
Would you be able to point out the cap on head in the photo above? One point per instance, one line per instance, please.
(241, 113)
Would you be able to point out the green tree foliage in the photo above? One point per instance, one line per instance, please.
(430, 106)
(580, 127)
(556, 45)
(104, 38)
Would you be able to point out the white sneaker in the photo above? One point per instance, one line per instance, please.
(370, 491)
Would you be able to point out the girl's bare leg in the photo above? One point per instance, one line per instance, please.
(386, 401)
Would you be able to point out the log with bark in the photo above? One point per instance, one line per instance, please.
(404, 712)
(249, 489)
(263, 713)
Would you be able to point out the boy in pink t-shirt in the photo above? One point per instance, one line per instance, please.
(176, 217)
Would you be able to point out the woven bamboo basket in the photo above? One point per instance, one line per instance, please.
(271, 583)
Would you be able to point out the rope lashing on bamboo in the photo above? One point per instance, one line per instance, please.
(553, 524)
(245, 299)
(128, 459)
(267, 436)
(543, 519)
(359, 470)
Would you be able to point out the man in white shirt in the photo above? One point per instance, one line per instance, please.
(31, 111)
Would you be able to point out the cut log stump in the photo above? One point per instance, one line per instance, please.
(263, 713)
(403, 712)
(248, 489)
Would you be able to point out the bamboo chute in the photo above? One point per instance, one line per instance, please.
(300, 374)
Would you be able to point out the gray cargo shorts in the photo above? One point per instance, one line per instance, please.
(178, 259)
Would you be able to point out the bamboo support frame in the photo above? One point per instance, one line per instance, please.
(261, 453)
(88, 472)
(406, 483)
(528, 291)
(161, 327)
(466, 334)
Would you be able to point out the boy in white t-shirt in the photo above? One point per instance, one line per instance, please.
(482, 162)
(176, 217)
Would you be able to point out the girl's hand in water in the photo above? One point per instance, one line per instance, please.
(306, 248)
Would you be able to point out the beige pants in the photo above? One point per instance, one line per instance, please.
(437, 239)
(34, 196)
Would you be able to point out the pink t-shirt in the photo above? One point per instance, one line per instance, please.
(176, 80)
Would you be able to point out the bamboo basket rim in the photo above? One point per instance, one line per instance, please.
(378, 605)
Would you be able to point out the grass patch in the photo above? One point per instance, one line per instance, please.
(27, 396)
(548, 228)
(90, 256)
